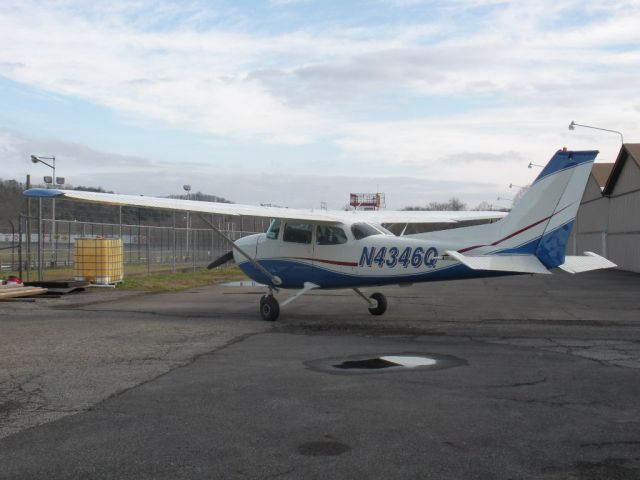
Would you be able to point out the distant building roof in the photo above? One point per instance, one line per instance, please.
(601, 172)
(628, 150)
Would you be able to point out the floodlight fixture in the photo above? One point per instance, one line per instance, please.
(573, 125)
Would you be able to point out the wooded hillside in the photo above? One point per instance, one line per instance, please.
(12, 203)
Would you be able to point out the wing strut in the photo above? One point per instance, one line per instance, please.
(275, 280)
(307, 286)
(371, 302)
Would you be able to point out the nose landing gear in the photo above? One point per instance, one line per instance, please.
(269, 308)
(381, 307)
(377, 302)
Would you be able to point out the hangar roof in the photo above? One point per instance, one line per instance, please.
(601, 172)
(628, 150)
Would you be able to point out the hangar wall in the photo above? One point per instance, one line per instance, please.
(608, 221)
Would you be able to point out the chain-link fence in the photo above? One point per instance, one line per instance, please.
(44, 249)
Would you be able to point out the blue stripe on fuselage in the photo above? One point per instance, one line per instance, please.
(550, 249)
(331, 279)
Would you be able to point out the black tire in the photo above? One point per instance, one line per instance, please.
(382, 304)
(269, 308)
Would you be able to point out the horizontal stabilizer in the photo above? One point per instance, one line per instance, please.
(591, 261)
(502, 263)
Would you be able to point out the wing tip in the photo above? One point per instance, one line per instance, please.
(43, 193)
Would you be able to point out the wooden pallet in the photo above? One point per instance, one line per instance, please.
(15, 291)
(60, 286)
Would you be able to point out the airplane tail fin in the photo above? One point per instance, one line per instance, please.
(540, 223)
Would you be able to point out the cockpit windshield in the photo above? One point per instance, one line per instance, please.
(363, 230)
(382, 229)
(274, 229)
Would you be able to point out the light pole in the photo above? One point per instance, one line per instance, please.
(531, 164)
(573, 125)
(511, 185)
(54, 181)
(187, 188)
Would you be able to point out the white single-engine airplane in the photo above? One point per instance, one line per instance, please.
(308, 250)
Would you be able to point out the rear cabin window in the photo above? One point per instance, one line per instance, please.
(326, 235)
(363, 230)
(274, 229)
(297, 232)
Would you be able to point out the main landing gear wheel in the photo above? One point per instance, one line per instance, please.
(382, 304)
(269, 308)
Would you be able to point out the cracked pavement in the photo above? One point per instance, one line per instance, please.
(622, 353)
(61, 357)
(194, 385)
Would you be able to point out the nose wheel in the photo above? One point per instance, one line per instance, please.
(377, 302)
(269, 308)
(381, 306)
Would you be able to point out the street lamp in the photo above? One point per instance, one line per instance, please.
(41, 159)
(531, 164)
(53, 181)
(573, 125)
(511, 185)
(505, 199)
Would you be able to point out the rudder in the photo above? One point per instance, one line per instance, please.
(541, 222)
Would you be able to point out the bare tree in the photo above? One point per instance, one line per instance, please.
(518, 196)
(454, 204)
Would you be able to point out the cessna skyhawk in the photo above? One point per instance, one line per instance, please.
(308, 250)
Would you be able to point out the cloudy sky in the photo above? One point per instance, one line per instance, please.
(295, 102)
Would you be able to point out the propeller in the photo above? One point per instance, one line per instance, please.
(227, 257)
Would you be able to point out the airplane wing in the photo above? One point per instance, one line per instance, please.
(419, 216)
(234, 209)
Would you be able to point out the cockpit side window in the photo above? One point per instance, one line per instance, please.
(297, 232)
(363, 230)
(326, 235)
(274, 229)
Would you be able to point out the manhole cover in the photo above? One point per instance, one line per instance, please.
(362, 364)
(323, 449)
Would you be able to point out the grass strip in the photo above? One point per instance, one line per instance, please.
(169, 282)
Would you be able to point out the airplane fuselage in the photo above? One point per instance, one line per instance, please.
(343, 260)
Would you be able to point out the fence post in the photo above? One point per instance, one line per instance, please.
(40, 239)
(28, 185)
(69, 244)
(193, 248)
(13, 246)
(148, 250)
(161, 232)
(20, 246)
(173, 260)
(213, 245)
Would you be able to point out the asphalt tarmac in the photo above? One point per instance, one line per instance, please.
(536, 377)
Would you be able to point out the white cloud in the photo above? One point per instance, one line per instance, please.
(82, 165)
(539, 67)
